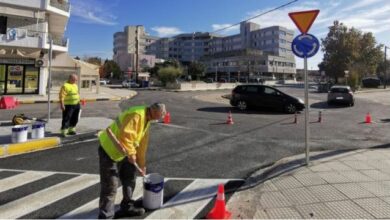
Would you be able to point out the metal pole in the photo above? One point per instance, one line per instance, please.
(385, 69)
(136, 53)
(49, 78)
(307, 131)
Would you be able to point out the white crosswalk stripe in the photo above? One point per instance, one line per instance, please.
(89, 210)
(184, 204)
(190, 201)
(21, 179)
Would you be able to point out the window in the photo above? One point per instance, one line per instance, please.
(269, 91)
(251, 89)
(2, 79)
(31, 80)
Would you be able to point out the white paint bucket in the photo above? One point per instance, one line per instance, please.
(153, 191)
(38, 130)
(19, 133)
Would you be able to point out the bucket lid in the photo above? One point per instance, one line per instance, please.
(18, 128)
(38, 125)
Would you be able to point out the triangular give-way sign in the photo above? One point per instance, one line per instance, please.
(304, 19)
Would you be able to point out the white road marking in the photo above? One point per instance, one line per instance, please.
(35, 201)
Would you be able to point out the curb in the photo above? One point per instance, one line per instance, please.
(88, 100)
(29, 146)
(372, 90)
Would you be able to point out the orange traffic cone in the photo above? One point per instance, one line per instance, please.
(167, 118)
(219, 211)
(368, 118)
(230, 119)
(83, 102)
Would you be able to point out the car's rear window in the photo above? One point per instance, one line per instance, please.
(339, 90)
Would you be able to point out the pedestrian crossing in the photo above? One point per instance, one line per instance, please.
(44, 194)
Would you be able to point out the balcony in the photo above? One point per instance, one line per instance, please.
(17, 37)
(60, 4)
(23, 38)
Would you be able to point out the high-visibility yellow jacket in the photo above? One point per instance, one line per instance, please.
(132, 130)
(69, 94)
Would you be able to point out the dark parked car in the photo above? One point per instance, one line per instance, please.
(371, 82)
(341, 94)
(245, 96)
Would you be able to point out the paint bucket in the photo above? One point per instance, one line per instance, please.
(153, 191)
(19, 133)
(38, 130)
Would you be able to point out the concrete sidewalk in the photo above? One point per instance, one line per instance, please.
(337, 185)
(105, 94)
(87, 127)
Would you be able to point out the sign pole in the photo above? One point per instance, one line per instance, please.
(49, 79)
(307, 131)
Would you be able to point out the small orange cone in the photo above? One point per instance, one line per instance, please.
(83, 102)
(167, 118)
(219, 211)
(230, 119)
(368, 118)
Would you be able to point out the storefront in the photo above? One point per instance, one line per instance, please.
(19, 78)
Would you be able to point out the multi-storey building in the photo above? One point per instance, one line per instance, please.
(127, 44)
(254, 51)
(28, 27)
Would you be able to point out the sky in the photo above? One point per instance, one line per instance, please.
(93, 22)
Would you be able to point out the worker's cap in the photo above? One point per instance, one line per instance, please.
(159, 107)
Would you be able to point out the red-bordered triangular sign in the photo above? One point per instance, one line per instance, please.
(304, 19)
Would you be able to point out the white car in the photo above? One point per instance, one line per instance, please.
(129, 84)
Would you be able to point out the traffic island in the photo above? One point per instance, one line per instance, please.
(29, 146)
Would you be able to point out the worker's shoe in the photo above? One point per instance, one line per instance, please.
(72, 131)
(64, 132)
(131, 212)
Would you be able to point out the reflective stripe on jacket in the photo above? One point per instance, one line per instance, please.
(132, 131)
(70, 94)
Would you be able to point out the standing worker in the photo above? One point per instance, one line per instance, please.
(70, 106)
(122, 152)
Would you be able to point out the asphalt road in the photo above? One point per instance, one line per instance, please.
(198, 143)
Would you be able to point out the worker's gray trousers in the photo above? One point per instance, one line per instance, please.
(110, 174)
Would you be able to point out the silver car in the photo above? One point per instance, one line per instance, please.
(341, 94)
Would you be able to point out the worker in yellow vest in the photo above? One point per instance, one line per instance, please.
(70, 106)
(122, 152)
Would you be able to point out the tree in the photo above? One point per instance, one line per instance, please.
(93, 60)
(111, 66)
(196, 70)
(169, 74)
(349, 49)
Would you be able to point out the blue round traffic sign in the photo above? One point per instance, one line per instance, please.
(305, 45)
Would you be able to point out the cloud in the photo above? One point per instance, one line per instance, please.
(93, 12)
(361, 4)
(166, 31)
(228, 30)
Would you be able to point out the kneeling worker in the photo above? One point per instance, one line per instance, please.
(122, 151)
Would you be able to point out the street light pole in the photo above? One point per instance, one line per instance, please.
(385, 74)
(49, 79)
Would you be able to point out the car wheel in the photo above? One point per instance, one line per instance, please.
(352, 104)
(290, 108)
(242, 105)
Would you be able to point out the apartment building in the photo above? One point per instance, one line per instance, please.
(253, 51)
(28, 26)
(132, 41)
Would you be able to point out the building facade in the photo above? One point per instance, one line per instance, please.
(132, 41)
(254, 51)
(29, 26)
